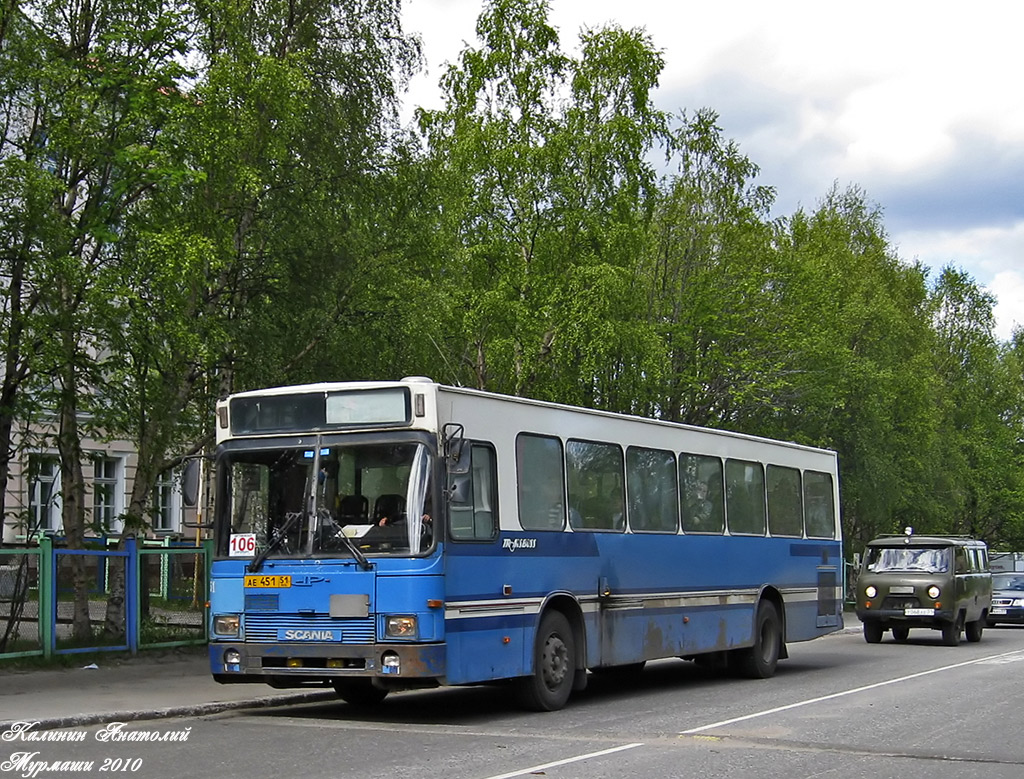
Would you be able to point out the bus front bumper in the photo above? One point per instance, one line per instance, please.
(240, 662)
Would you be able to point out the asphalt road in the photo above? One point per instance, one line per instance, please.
(837, 708)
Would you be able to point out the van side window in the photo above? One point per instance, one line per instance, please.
(962, 564)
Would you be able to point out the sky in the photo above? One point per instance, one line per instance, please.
(919, 104)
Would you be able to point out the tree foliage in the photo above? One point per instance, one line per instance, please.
(201, 196)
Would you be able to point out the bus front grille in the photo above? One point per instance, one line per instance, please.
(267, 628)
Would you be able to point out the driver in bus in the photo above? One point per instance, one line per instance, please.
(426, 528)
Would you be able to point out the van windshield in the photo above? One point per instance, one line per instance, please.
(901, 558)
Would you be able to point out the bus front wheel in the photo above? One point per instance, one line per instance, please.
(359, 692)
(760, 660)
(554, 666)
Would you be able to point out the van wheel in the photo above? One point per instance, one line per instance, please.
(974, 629)
(900, 633)
(873, 632)
(760, 660)
(951, 632)
(554, 666)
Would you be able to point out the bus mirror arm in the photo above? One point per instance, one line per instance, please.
(454, 446)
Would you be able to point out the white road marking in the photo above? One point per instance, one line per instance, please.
(567, 760)
(990, 659)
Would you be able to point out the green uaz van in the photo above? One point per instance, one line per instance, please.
(936, 582)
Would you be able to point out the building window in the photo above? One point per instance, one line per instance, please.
(44, 493)
(164, 503)
(104, 493)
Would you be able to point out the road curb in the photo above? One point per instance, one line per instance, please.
(193, 710)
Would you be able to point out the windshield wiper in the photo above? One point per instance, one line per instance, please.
(357, 553)
(280, 534)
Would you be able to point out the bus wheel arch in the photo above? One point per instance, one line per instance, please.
(558, 661)
(759, 660)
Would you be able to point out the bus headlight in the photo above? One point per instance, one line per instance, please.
(871, 591)
(400, 626)
(934, 592)
(227, 625)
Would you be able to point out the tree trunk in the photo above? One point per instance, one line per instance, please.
(69, 445)
(134, 525)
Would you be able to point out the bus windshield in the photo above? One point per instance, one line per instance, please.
(927, 560)
(325, 500)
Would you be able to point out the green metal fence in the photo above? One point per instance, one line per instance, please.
(149, 594)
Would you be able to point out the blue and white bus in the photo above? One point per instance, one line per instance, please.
(381, 536)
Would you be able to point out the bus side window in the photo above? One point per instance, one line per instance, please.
(474, 498)
(700, 494)
(540, 475)
(652, 490)
(785, 502)
(595, 486)
(745, 497)
(819, 507)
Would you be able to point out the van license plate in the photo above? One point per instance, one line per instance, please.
(268, 581)
(919, 612)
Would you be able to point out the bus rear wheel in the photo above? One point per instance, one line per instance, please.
(554, 665)
(359, 692)
(760, 660)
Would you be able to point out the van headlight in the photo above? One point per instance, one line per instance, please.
(400, 626)
(871, 591)
(934, 592)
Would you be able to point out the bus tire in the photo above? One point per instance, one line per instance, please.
(760, 660)
(554, 666)
(359, 692)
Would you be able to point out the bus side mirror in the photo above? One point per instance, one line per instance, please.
(191, 476)
(190, 483)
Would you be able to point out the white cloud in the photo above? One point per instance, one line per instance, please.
(993, 256)
(1008, 287)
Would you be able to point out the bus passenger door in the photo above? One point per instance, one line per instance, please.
(484, 628)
